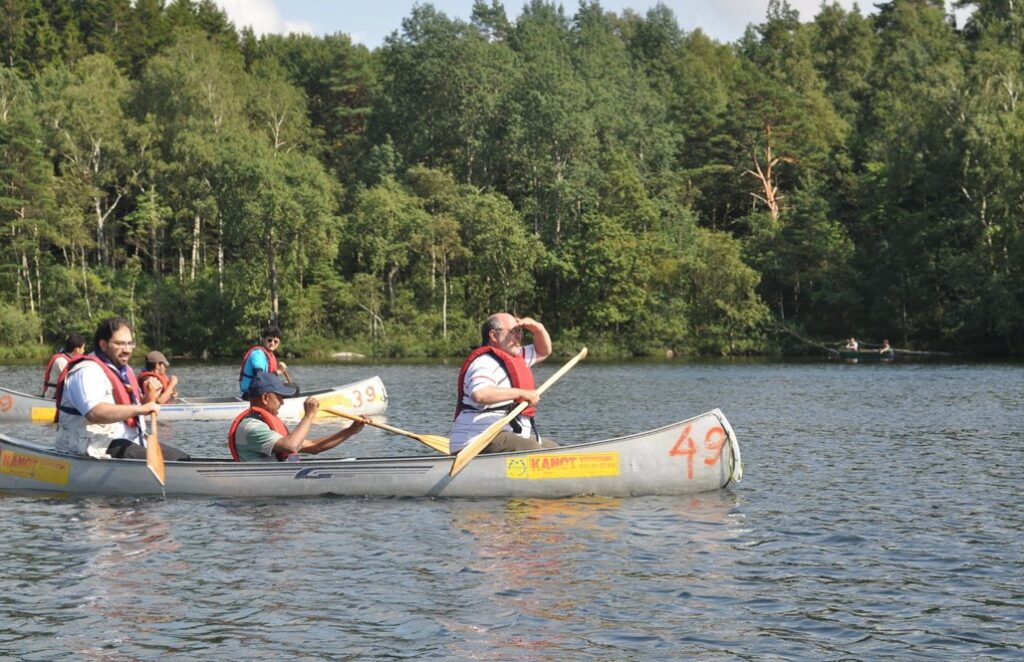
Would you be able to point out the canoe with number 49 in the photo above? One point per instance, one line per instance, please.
(696, 455)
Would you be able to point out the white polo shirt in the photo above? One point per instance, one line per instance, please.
(486, 370)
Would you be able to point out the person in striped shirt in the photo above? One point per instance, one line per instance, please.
(494, 378)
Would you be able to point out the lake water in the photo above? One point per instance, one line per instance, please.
(880, 516)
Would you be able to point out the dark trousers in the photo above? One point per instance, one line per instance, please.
(506, 441)
(124, 449)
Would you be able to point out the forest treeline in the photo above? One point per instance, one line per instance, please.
(636, 186)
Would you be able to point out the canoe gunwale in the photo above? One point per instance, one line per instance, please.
(16, 406)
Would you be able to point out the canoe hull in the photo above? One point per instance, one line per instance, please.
(367, 397)
(696, 455)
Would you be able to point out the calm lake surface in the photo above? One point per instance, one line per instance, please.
(880, 516)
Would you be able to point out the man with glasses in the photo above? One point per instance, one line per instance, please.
(262, 358)
(496, 376)
(99, 410)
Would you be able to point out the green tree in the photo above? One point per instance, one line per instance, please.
(89, 141)
(442, 87)
(27, 200)
(379, 232)
(908, 206)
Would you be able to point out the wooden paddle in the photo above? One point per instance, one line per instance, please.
(288, 376)
(438, 443)
(479, 442)
(154, 454)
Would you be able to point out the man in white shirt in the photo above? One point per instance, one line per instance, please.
(99, 409)
(496, 376)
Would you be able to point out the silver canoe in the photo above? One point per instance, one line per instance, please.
(364, 397)
(695, 455)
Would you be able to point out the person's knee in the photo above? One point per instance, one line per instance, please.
(123, 449)
(506, 442)
(172, 454)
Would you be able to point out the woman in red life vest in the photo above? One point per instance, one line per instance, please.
(493, 378)
(73, 346)
(157, 385)
(257, 434)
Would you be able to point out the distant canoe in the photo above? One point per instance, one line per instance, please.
(696, 455)
(366, 397)
(866, 355)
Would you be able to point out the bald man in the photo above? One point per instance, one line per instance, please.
(494, 378)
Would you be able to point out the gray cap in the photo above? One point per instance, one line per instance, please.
(155, 357)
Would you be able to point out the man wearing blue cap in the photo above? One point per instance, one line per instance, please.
(258, 435)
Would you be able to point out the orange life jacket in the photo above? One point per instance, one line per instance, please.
(272, 421)
(165, 381)
(124, 394)
(519, 375)
(49, 367)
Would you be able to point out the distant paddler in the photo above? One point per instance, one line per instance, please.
(494, 378)
(263, 358)
(157, 385)
(73, 346)
(257, 434)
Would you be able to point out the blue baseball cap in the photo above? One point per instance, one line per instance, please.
(269, 382)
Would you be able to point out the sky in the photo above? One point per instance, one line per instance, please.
(369, 22)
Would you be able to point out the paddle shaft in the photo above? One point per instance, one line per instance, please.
(479, 442)
(436, 442)
(288, 375)
(382, 426)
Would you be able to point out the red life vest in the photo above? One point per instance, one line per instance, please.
(165, 382)
(123, 393)
(49, 366)
(519, 375)
(272, 421)
(271, 361)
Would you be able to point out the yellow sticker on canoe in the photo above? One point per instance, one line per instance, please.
(574, 465)
(43, 414)
(33, 467)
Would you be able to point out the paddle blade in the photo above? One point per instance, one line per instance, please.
(437, 442)
(154, 454)
(479, 442)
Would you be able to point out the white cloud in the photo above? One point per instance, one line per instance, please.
(260, 15)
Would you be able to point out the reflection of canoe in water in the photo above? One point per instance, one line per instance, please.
(865, 355)
(363, 397)
(695, 455)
